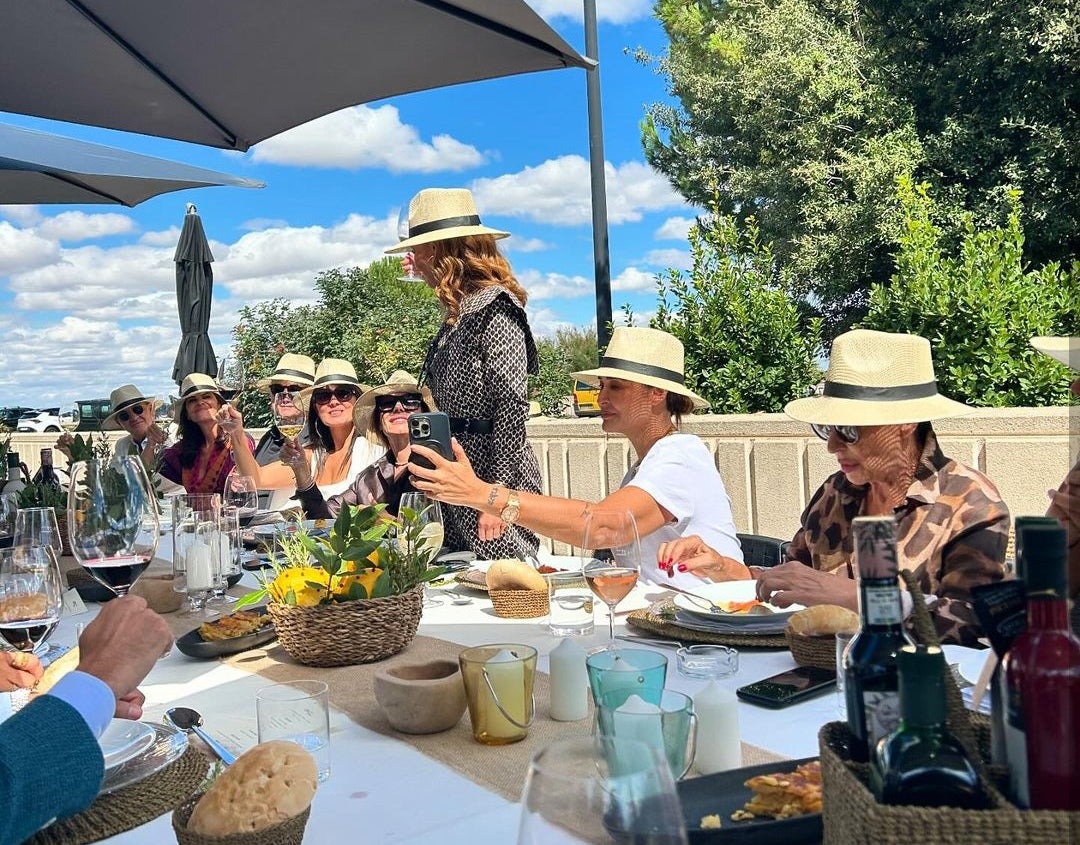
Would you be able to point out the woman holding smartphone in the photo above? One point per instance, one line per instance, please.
(479, 362)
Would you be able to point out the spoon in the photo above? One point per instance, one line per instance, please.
(187, 719)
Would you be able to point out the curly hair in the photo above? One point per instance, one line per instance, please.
(466, 265)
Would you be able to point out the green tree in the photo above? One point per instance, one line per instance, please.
(578, 344)
(747, 346)
(551, 385)
(978, 306)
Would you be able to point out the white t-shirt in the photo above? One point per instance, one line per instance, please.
(680, 475)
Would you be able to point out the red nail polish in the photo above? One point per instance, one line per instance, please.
(682, 567)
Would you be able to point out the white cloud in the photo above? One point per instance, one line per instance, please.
(542, 286)
(166, 237)
(260, 223)
(674, 229)
(545, 323)
(363, 136)
(24, 215)
(23, 249)
(633, 279)
(80, 226)
(680, 259)
(517, 244)
(608, 11)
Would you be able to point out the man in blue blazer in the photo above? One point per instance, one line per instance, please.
(51, 765)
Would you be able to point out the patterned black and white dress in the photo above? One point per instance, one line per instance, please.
(478, 368)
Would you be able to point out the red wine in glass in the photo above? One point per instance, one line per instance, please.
(117, 573)
(28, 634)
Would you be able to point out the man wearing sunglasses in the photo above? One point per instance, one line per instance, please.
(292, 374)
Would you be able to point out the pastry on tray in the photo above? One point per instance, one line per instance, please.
(238, 624)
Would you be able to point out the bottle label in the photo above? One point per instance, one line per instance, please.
(882, 713)
(881, 605)
(1016, 743)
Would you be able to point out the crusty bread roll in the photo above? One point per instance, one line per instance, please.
(824, 619)
(513, 574)
(270, 783)
(67, 662)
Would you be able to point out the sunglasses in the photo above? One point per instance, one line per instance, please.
(342, 394)
(125, 415)
(275, 389)
(847, 433)
(412, 402)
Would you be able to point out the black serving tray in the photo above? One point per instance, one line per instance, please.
(193, 645)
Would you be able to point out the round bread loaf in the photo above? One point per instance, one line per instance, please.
(511, 574)
(824, 619)
(270, 783)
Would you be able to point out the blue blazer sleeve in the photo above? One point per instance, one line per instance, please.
(50, 767)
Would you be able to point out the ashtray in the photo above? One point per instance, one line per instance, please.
(709, 662)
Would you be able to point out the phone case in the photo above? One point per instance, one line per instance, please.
(765, 691)
(431, 429)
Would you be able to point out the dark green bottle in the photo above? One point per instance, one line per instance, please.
(921, 763)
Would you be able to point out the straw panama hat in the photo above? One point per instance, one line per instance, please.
(290, 369)
(331, 371)
(1063, 349)
(124, 397)
(437, 214)
(877, 378)
(645, 356)
(399, 381)
(196, 384)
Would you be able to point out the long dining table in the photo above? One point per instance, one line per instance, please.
(382, 789)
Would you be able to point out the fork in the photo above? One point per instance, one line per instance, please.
(712, 606)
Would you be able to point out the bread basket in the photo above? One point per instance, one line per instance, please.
(288, 832)
(808, 650)
(519, 604)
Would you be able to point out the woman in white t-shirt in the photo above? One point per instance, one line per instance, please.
(673, 489)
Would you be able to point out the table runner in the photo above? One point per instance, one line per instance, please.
(498, 768)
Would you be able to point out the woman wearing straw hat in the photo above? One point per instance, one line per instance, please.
(672, 489)
(383, 412)
(203, 456)
(1065, 501)
(335, 450)
(952, 526)
(479, 362)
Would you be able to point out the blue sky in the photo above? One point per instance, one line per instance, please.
(87, 293)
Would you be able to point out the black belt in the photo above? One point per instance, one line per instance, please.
(462, 425)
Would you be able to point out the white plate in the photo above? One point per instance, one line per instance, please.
(970, 660)
(730, 591)
(167, 744)
(124, 739)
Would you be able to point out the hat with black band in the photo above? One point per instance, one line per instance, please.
(196, 384)
(123, 398)
(291, 369)
(437, 214)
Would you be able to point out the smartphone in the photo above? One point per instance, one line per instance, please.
(789, 687)
(431, 429)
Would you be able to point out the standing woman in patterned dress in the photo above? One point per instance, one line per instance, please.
(478, 364)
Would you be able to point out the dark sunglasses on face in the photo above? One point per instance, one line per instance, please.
(847, 433)
(411, 402)
(275, 389)
(342, 394)
(125, 415)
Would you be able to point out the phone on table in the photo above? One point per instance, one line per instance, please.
(789, 687)
(431, 429)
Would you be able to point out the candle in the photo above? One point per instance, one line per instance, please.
(639, 719)
(506, 673)
(569, 682)
(200, 570)
(718, 744)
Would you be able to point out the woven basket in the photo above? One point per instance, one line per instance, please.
(519, 604)
(817, 651)
(288, 832)
(351, 632)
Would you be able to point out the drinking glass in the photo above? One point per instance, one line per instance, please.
(241, 494)
(71, 421)
(229, 549)
(599, 790)
(428, 513)
(612, 568)
(9, 511)
(403, 233)
(38, 527)
(112, 518)
(196, 549)
(299, 712)
(289, 413)
(31, 596)
(571, 605)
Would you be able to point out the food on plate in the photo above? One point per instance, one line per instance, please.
(741, 606)
(267, 785)
(784, 795)
(824, 620)
(511, 574)
(710, 822)
(239, 624)
(67, 662)
(546, 570)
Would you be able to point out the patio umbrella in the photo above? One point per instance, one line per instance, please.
(260, 66)
(36, 167)
(194, 292)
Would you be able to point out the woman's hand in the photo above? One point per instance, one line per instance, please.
(231, 420)
(294, 456)
(453, 482)
(796, 583)
(18, 670)
(692, 554)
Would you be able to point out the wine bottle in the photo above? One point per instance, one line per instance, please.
(14, 481)
(921, 763)
(46, 474)
(1042, 683)
(871, 686)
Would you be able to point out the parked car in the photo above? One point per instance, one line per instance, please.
(91, 413)
(586, 400)
(47, 420)
(9, 417)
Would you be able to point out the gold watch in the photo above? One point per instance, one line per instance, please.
(511, 509)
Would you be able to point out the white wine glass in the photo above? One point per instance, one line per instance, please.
(31, 596)
(289, 413)
(403, 233)
(612, 559)
(428, 514)
(599, 790)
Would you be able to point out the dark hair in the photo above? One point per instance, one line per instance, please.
(678, 405)
(191, 436)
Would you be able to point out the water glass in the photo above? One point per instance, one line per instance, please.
(499, 690)
(38, 527)
(571, 603)
(627, 671)
(298, 712)
(230, 548)
(31, 596)
(669, 727)
(842, 641)
(196, 548)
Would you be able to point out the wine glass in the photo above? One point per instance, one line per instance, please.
(241, 494)
(229, 548)
(70, 422)
(429, 540)
(403, 233)
(289, 413)
(38, 527)
(9, 511)
(113, 521)
(31, 596)
(599, 790)
(611, 568)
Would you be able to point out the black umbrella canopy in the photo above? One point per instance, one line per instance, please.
(194, 293)
(37, 167)
(261, 66)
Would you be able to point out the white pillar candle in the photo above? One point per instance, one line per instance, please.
(506, 672)
(718, 746)
(569, 682)
(199, 565)
(639, 719)
(621, 675)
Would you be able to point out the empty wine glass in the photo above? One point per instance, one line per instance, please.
(38, 527)
(428, 515)
(113, 521)
(31, 596)
(9, 511)
(241, 494)
(611, 567)
(403, 233)
(599, 790)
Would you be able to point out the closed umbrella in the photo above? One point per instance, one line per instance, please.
(194, 292)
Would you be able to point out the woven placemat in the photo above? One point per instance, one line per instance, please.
(498, 768)
(132, 806)
(647, 619)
